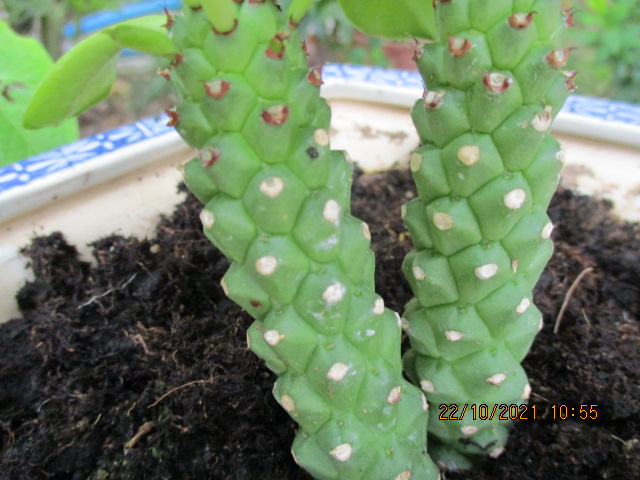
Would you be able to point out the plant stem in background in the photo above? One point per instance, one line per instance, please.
(485, 174)
(51, 25)
(277, 204)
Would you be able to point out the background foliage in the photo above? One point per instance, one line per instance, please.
(607, 34)
(23, 63)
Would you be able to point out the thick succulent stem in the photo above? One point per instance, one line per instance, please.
(277, 204)
(485, 173)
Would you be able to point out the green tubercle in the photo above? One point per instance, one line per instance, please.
(485, 173)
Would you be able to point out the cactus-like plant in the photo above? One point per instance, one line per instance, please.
(276, 203)
(485, 174)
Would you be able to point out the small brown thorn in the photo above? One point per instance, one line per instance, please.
(570, 81)
(276, 115)
(293, 25)
(255, 304)
(315, 76)
(217, 88)
(459, 46)
(276, 46)
(558, 57)
(417, 50)
(169, 22)
(496, 82)
(179, 58)
(209, 157)
(433, 99)
(521, 21)
(174, 117)
(165, 72)
(569, 16)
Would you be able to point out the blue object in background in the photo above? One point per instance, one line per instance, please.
(99, 20)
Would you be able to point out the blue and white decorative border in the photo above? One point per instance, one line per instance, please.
(78, 153)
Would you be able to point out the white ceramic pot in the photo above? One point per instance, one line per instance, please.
(121, 181)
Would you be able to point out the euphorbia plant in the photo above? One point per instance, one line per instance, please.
(485, 175)
(276, 203)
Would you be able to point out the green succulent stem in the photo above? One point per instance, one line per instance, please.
(277, 204)
(485, 173)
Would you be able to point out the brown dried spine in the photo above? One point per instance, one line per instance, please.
(432, 99)
(496, 82)
(315, 76)
(276, 115)
(174, 117)
(520, 21)
(459, 46)
(217, 89)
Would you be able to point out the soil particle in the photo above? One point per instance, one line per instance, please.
(137, 367)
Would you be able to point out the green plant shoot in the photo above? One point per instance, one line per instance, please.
(485, 174)
(277, 204)
(84, 75)
(23, 64)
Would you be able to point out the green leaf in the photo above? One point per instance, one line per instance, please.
(84, 75)
(23, 63)
(392, 18)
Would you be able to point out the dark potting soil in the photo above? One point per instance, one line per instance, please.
(137, 367)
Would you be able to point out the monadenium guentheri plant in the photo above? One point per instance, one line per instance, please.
(485, 174)
(277, 204)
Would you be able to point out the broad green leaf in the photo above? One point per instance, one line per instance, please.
(81, 78)
(392, 18)
(84, 75)
(23, 63)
